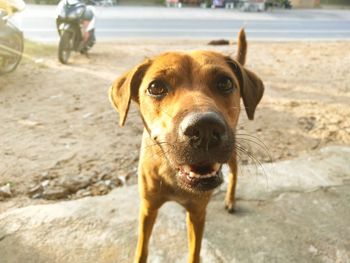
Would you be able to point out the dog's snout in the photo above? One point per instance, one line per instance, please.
(204, 130)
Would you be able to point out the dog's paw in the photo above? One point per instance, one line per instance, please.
(230, 206)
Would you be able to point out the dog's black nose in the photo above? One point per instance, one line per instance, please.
(204, 130)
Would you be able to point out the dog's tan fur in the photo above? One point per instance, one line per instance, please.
(189, 75)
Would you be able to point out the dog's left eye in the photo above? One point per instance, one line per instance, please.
(157, 88)
(225, 85)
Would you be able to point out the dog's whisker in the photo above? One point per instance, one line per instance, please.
(241, 123)
(249, 135)
(240, 158)
(166, 113)
(161, 152)
(157, 154)
(252, 157)
(261, 146)
(245, 152)
(157, 144)
(251, 139)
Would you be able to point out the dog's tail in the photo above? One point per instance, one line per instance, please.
(241, 47)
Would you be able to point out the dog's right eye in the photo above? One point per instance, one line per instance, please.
(157, 88)
(225, 85)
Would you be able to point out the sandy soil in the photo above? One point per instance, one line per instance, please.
(56, 120)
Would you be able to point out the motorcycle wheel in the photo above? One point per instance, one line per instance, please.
(65, 47)
(10, 63)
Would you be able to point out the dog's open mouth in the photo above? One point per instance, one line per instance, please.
(202, 177)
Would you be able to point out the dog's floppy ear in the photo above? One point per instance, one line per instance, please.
(126, 88)
(252, 88)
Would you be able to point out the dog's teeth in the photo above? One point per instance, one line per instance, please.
(194, 175)
(216, 167)
(186, 168)
(208, 175)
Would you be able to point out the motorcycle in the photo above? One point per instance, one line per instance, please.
(71, 28)
(11, 38)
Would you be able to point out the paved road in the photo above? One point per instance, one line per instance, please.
(38, 23)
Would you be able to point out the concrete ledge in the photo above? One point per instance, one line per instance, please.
(311, 171)
(303, 216)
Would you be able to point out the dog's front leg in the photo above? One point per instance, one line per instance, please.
(195, 227)
(148, 215)
(231, 187)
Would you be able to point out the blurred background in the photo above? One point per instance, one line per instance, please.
(264, 19)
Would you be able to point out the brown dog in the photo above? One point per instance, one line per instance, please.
(189, 104)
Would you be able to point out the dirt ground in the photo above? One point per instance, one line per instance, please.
(57, 123)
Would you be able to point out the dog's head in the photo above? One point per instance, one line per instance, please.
(190, 104)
